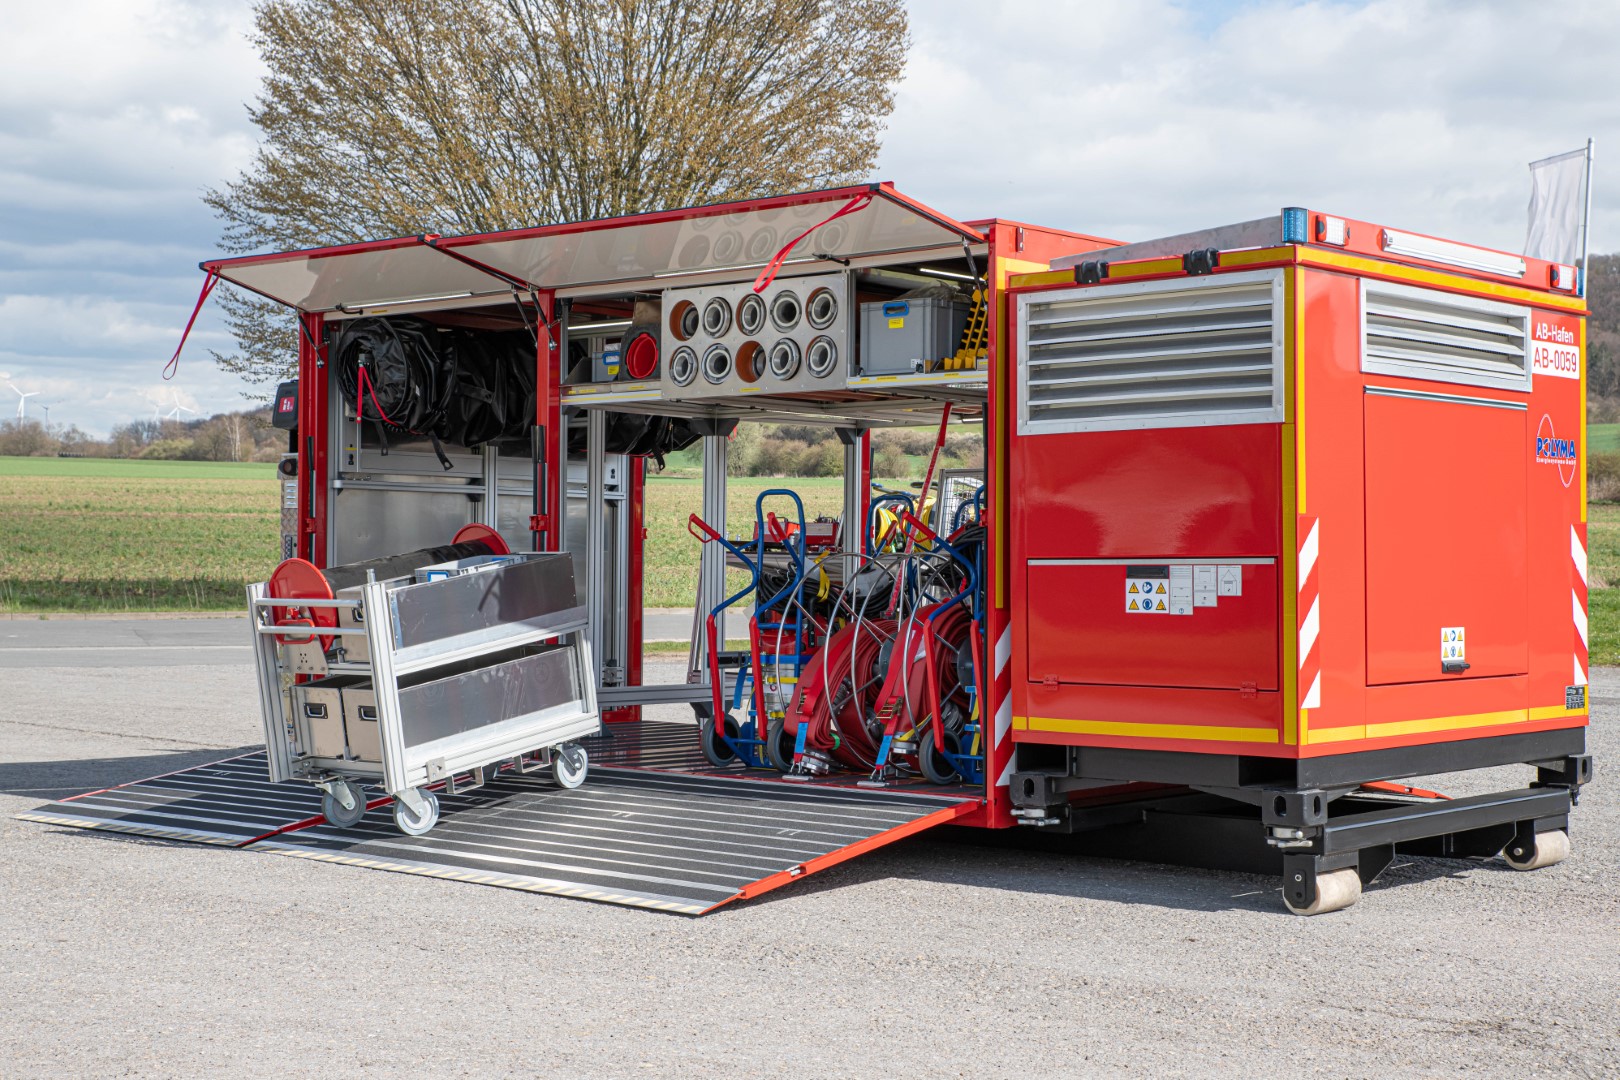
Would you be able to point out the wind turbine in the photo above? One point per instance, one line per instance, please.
(174, 413)
(47, 409)
(22, 401)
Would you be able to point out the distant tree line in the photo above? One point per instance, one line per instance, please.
(809, 450)
(234, 436)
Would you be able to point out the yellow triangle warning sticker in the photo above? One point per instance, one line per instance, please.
(1133, 607)
(1160, 607)
(1133, 587)
(1160, 590)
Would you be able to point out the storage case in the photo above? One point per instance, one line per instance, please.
(899, 337)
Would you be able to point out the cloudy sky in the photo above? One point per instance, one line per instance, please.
(1127, 118)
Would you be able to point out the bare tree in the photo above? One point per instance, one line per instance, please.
(395, 117)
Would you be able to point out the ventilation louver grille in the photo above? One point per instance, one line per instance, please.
(1155, 354)
(1426, 334)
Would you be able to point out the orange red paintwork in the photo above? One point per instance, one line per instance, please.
(1429, 514)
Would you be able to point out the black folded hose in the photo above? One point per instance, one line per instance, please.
(465, 387)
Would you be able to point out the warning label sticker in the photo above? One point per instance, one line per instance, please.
(1147, 590)
(1229, 580)
(1453, 646)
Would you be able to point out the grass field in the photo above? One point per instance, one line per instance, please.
(92, 535)
(1603, 438)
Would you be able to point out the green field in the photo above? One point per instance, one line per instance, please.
(1602, 438)
(98, 535)
(93, 535)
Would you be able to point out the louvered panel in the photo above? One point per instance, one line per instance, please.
(1176, 353)
(1426, 334)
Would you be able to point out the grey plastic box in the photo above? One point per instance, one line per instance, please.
(899, 337)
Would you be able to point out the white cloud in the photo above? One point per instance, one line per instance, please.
(1130, 118)
(1142, 119)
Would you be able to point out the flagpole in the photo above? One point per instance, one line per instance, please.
(1586, 221)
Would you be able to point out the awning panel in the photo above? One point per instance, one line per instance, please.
(735, 236)
(360, 275)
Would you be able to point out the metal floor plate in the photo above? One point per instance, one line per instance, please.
(229, 802)
(667, 841)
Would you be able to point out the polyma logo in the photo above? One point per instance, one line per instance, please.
(1551, 450)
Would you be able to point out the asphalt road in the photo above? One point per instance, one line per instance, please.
(126, 956)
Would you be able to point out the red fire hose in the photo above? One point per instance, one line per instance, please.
(835, 693)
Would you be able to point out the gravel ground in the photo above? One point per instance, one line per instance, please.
(128, 956)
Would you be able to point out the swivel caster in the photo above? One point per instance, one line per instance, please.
(415, 822)
(779, 745)
(934, 764)
(1335, 891)
(1547, 849)
(569, 764)
(718, 752)
(333, 808)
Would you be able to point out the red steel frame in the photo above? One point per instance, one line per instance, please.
(1013, 248)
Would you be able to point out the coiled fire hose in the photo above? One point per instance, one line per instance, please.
(834, 696)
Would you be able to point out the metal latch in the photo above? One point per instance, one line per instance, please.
(1247, 689)
(1049, 680)
(1201, 261)
(1090, 272)
(1453, 667)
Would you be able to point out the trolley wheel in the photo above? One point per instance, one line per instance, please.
(717, 750)
(1335, 891)
(935, 765)
(339, 815)
(1549, 848)
(780, 744)
(569, 764)
(409, 823)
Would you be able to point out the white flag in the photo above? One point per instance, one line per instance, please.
(1557, 207)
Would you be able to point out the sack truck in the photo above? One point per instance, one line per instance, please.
(1272, 518)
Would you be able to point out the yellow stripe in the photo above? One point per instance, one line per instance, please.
(1362, 265)
(1144, 268)
(1332, 734)
(1287, 253)
(1145, 731)
(1583, 463)
(1293, 479)
(1441, 723)
(1296, 311)
(1555, 712)
(1044, 277)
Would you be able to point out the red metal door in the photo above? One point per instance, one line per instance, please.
(1446, 546)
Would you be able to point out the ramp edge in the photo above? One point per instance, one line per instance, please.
(943, 816)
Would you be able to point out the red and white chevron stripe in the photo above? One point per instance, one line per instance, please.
(1308, 612)
(1003, 698)
(1577, 553)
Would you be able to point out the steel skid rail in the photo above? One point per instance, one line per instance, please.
(1328, 824)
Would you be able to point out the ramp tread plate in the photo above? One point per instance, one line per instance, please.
(671, 842)
(229, 803)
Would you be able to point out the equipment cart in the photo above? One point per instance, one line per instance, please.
(463, 659)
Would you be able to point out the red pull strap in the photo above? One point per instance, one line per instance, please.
(768, 275)
(172, 368)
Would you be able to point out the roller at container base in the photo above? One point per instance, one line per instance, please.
(423, 670)
(1276, 518)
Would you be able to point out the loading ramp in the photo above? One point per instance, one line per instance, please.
(670, 841)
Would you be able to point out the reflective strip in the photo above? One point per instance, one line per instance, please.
(1308, 607)
(1578, 601)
